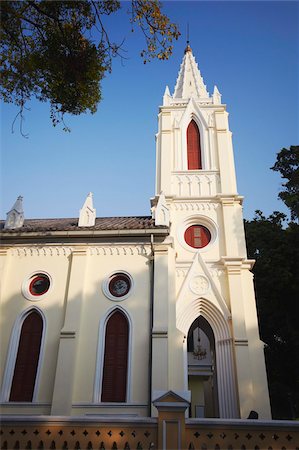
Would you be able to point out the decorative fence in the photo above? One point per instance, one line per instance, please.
(242, 435)
(169, 431)
(50, 432)
(74, 434)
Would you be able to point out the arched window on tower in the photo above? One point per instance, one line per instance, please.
(114, 384)
(24, 377)
(193, 147)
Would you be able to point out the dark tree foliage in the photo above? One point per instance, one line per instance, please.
(276, 274)
(59, 51)
(287, 163)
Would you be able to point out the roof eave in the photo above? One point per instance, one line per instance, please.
(83, 233)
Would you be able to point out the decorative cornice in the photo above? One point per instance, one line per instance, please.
(40, 251)
(193, 206)
(195, 172)
(234, 265)
(144, 250)
(230, 199)
(123, 250)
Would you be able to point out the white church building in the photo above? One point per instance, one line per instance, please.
(102, 316)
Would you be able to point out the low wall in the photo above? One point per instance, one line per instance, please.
(74, 433)
(49, 432)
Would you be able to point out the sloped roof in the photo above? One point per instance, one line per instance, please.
(71, 224)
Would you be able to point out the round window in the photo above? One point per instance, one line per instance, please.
(36, 285)
(197, 236)
(119, 285)
(39, 284)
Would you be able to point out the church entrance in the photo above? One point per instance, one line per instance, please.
(202, 374)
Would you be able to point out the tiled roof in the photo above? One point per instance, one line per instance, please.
(101, 224)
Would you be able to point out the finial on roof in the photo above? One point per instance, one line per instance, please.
(87, 215)
(188, 48)
(166, 97)
(160, 211)
(15, 217)
(216, 96)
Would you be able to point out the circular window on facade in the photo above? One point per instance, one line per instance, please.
(39, 284)
(118, 286)
(36, 285)
(197, 236)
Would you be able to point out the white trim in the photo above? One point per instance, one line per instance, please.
(197, 219)
(12, 355)
(97, 391)
(25, 286)
(105, 286)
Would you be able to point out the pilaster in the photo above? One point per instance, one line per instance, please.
(160, 320)
(233, 228)
(176, 360)
(66, 361)
(165, 149)
(225, 153)
(256, 350)
(242, 356)
(3, 269)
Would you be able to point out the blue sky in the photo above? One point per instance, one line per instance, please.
(248, 49)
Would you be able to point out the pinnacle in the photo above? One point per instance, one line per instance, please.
(189, 82)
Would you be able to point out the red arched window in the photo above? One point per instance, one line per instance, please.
(193, 147)
(24, 376)
(114, 386)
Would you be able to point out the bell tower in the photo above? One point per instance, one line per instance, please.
(214, 349)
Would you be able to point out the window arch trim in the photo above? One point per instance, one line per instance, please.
(13, 351)
(193, 113)
(194, 152)
(98, 381)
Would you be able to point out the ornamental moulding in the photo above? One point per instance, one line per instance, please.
(194, 206)
(120, 251)
(40, 251)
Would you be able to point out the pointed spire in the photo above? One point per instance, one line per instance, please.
(166, 97)
(216, 96)
(160, 211)
(15, 217)
(190, 82)
(87, 215)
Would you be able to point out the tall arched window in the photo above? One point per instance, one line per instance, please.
(114, 385)
(23, 382)
(193, 147)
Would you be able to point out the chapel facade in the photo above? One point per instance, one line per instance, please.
(101, 316)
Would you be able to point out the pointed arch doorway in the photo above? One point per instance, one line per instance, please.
(202, 370)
